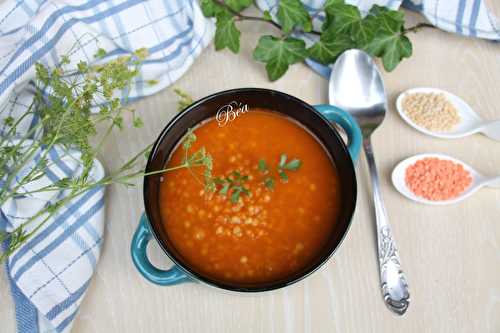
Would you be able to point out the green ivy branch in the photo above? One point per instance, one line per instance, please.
(381, 33)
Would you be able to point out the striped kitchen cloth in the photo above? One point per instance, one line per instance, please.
(466, 17)
(51, 272)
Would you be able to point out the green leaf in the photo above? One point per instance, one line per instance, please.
(330, 45)
(210, 8)
(235, 196)
(226, 33)
(283, 175)
(262, 166)
(269, 183)
(392, 48)
(293, 165)
(100, 53)
(238, 5)
(347, 19)
(283, 159)
(266, 15)
(386, 19)
(291, 13)
(224, 189)
(278, 54)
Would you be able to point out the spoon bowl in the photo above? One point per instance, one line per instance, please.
(470, 122)
(478, 180)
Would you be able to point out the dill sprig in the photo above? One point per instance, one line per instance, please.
(63, 102)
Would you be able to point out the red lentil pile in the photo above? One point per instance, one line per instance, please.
(436, 179)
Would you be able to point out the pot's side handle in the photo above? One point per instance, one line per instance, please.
(347, 122)
(138, 248)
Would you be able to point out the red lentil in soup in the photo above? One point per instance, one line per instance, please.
(268, 234)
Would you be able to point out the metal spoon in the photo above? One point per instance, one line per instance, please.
(356, 86)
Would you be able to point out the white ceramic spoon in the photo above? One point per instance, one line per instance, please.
(478, 180)
(470, 122)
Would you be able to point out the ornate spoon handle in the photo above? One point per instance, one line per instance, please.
(392, 279)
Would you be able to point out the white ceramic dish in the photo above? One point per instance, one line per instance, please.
(478, 180)
(470, 122)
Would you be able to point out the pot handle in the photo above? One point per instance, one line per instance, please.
(138, 248)
(347, 122)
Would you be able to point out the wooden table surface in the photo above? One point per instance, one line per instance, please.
(451, 254)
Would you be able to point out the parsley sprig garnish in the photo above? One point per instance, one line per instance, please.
(234, 184)
(284, 165)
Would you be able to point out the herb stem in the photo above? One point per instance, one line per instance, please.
(418, 26)
(241, 17)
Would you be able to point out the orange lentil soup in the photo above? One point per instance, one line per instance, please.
(269, 234)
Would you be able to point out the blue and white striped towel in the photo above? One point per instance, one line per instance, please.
(465, 17)
(50, 274)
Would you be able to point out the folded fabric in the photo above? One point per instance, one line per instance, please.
(51, 272)
(466, 17)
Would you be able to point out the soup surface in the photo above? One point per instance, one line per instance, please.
(272, 232)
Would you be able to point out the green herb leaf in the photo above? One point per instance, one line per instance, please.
(184, 101)
(100, 53)
(269, 183)
(292, 13)
(283, 159)
(226, 33)
(262, 166)
(235, 196)
(224, 189)
(283, 175)
(293, 165)
(189, 139)
(278, 54)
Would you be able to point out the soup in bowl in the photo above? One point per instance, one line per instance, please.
(269, 202)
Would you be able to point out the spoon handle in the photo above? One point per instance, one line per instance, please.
(493, 182)
(393, 281)
(492, 130)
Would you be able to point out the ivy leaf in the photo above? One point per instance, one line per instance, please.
(292, 13)
(388, 42)
(347, 19)
(278, 54)
(238, 5)
(330, 46)
(210, 8)
(226, 33)
(386, 19)
(266, 15)
(392, 48)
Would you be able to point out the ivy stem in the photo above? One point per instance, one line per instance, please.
(241, 17)
(418, 26)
